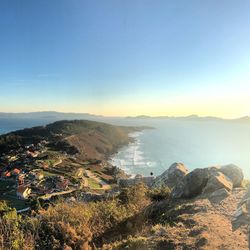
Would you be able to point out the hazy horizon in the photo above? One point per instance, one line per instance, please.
(123, 116)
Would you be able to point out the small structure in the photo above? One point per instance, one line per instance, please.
(138, 179)
(39, 176)
(61, 182)
(23, 192)
(21, 179)
(16, 171)
(32, 154)
(7, 174)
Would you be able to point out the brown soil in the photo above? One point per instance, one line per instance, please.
(208, 226)
(191, 224)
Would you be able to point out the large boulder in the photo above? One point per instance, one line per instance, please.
(234, 173)
(207, 181)
(172, 176)
(242, 215)
(216, 181)
(218, 195)
(192, 184)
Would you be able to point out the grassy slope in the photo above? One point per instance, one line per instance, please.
(92, 139)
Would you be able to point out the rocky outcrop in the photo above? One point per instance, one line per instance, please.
(207, 181)
(218, 195)
(216, 181)
(242, 215)
(234, 173)
(192, 184)
(172, 176)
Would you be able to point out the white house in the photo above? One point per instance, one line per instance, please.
(23, 192)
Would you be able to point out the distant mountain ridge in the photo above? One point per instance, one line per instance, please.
(192, 117)
(48, 115)
(56, 116)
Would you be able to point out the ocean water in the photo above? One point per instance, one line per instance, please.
(195, 143)
(12, 124)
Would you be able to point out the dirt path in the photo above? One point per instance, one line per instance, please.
(103, 184)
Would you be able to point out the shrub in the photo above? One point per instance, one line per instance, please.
(245, 183)
(134, 198)
(63, 226)
(138, 243)
(158, 194)
(11, 234)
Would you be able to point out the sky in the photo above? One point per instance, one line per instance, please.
(126, 57)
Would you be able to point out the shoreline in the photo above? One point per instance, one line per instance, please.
(113, 158)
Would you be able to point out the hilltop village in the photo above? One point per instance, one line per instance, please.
(39, 171)
(30, 173)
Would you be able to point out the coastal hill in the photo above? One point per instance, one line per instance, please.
(86, 139)
(59, 159)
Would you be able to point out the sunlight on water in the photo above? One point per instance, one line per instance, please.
(195, 143)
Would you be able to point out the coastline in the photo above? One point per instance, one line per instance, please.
(132, 146)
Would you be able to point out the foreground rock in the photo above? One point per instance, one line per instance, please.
(172, 176)
(218, 195)
(242, 215)
(208, 180)
(192, 184)
(217, 181)
(234, 173)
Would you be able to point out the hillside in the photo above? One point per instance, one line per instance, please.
(129, 221)
(88, 139)
(61, 159)
(188, 224)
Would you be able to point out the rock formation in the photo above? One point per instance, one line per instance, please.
(216, 181)
(207, 181)
(234, 173)
(172, 176)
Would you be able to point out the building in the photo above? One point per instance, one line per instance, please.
(32, 154)
(61, 182)
(23, 192)
(7, 174)
(16, 171)
(138, 179)
(21, 179)
(38, 176)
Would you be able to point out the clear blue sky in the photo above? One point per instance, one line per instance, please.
(126, 57)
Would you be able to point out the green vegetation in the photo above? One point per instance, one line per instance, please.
(245, 183)
(93, 184)
(14, 202)
(5, 185)
(72, 225)
(104, 136)
(138, 243)
(158, 194)
(12, 235)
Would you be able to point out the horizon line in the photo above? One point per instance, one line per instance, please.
(125, 116)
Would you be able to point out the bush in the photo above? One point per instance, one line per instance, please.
(134, 198)
(245, 183)
(11, 234)
(63, 226)
(158, 194)
(69, 225)
(138, 243)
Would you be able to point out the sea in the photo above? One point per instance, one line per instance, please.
(196, 143)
